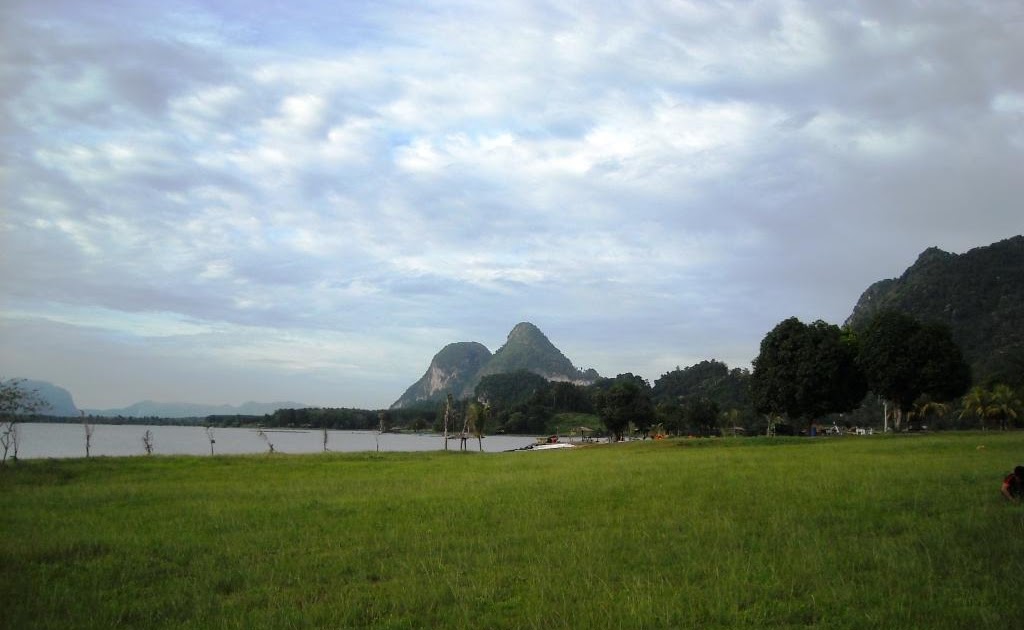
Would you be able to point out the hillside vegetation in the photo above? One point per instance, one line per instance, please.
(978, 294)
(459, 367)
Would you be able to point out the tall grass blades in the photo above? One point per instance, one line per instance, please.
(906, 532)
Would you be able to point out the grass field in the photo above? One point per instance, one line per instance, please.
(883, 532)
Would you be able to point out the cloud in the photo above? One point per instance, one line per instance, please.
(360, 184)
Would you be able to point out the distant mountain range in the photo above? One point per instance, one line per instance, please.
(979, 294)
(59, 402)
(151, 409)
(458, 367)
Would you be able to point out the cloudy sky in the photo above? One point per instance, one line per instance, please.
(227, 200)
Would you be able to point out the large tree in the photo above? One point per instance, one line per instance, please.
(806, 370)
(904, 359)
(627, 399)
(701, 414)
(684, 397)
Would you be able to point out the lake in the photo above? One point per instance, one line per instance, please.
(40, 440)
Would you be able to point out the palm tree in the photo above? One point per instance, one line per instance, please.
(927, 408)
(1003, 405)
(975, 403)
(999, 404)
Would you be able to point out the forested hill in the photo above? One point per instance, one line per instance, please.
(978, 294)
(527, 348)
(458, 367)
(453, 369)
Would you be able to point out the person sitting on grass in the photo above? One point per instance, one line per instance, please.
(1013, 485)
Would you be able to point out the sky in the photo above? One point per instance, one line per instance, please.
(223, 201)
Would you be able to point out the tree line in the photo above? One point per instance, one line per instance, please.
(893, 371)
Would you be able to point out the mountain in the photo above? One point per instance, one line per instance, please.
(979, 294)
(460, 366)
(527, 348)
(451, 370)
(57, 400)
(149, 408)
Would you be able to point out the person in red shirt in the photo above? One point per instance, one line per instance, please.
(1013, 485)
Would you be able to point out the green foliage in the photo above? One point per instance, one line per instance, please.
(979, 295)
(332, 418)
(806, 371)
(699, 379)
(524, 402)
(569, 398)
(928, 412)
(527, 348)
(701, 533)
(1000, 405)
(690, 400)
(477, 417)
(694, 415)
(903, 359)
(729, 389)
(503, 391)
(626, 400)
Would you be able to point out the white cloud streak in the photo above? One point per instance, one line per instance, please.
(340, 190)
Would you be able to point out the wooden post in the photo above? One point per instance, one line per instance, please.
(447, 418)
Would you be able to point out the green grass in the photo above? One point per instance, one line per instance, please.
(906, 532)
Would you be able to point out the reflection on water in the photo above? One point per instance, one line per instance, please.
(38, 440)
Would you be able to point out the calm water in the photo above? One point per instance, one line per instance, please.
(38, 440)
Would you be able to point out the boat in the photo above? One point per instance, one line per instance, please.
(548, 447)
(547, 444)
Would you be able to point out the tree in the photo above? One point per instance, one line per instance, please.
(476, 420)
(569, 397)
(999, 404)
(509, 389)
(627, 400)
(697, 379)
(1004, 405)
(903, 359)
(926, 408)
(701, 414)
(467, 420)
(383, 426)
(209, 436)
(262, 434)
(15, 402)
(805, 371)
(705, 381)
(88, 427)
(670, 415)
(729, 421)
(449, 416)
